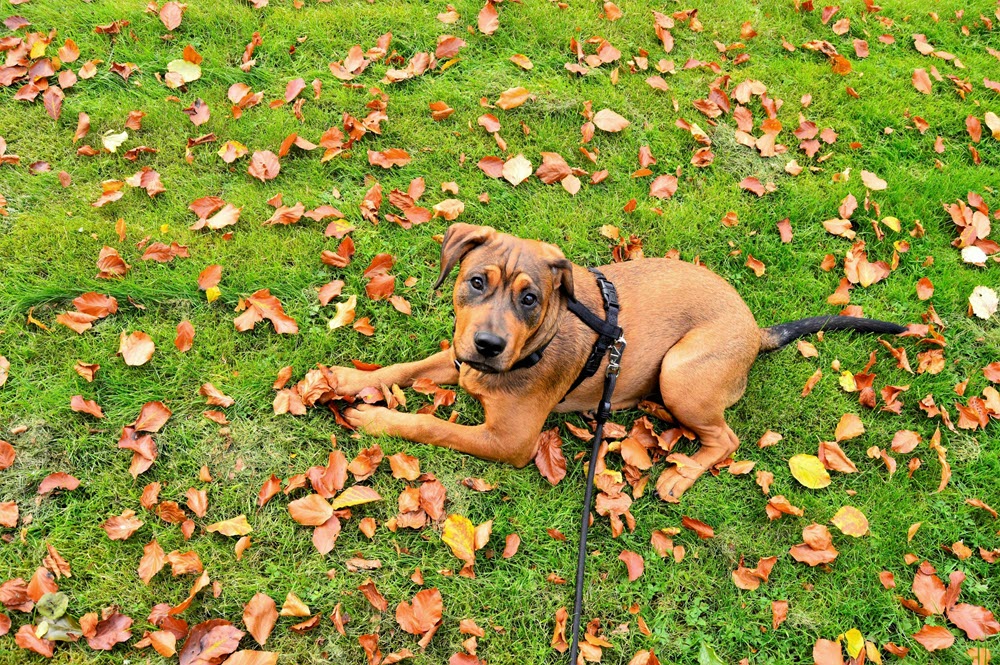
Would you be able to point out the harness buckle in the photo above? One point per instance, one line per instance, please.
(615, 356)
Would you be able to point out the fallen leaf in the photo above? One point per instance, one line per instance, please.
(259, 616)
(808, 470)
(136, 348)
(851, 521)
(609, 121)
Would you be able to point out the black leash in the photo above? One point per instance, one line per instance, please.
(603, 412)
(610, 336)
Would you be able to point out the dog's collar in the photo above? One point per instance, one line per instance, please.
(529, 360)
(607, 329)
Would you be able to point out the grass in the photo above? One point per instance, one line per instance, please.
(50, 241)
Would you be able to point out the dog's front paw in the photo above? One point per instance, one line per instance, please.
(350, 381)
(370, 419)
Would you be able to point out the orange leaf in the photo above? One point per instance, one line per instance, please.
(136, 349)
(634, 563)
(259, 616)
(549, 458)
(310, 510)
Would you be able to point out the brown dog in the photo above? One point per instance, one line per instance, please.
(691, 338)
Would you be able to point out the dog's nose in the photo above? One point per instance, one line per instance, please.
(489, 345)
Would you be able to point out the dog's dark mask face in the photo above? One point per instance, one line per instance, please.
(507, 297)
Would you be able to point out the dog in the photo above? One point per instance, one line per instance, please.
(691, 339)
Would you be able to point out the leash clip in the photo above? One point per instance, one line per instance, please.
(615, 356)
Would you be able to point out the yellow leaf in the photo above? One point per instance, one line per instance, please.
(355, 496)
(855, 642)
(851, 521)
(38, 49)
(164, 228)
(808, 470)
(847, 382)
(111, 140)
(188, 71)
(345, 313)
(212, 293)
(238, 526)
(892, 223)
(460, 535)
(873, 653)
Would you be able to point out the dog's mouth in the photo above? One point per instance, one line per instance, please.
(480, 367)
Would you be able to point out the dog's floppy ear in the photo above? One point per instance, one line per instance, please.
(459, 240)
(562, 270)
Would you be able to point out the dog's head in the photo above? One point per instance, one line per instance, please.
(508, 295)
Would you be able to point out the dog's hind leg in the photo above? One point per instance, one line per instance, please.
(439, 368)
(699, 379)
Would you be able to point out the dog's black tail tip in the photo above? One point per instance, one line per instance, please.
(775, 337)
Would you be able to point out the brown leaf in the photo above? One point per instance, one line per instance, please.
(121, 527)
(214, 396)
(422, 614)
(210, 642)
(26, 639)
(404, 467)
(512, 98)
(7, 455)
(663, 187)
(779, 612)
(259, 616)
(310, 510)
(511, 545)
(171, 14)
(921, 81)
(209, 277)
(488, 20)
(264, 165)
(827, 652)
(152, 417)
(559, 631)
(609, 121)
(633, 562)
(849, 427)
(934, 638)
(58, 481)
(185, 336)
(549, 458)
(80, 405)
(977, 622)
(111, 631)
(136, 348)
(325, 535)
(376, 599)
(262, 305)
(703, 530)
(152, 561)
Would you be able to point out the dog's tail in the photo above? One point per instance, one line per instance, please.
(775, 337)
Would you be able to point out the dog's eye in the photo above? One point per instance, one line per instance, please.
(529, 299)
(477, 283)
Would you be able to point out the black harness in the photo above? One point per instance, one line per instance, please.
(609, 336)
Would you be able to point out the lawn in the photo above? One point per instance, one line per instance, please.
(51, 236)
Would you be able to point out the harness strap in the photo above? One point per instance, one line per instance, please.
(608, 330)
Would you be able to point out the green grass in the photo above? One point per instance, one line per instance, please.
(50, 241)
